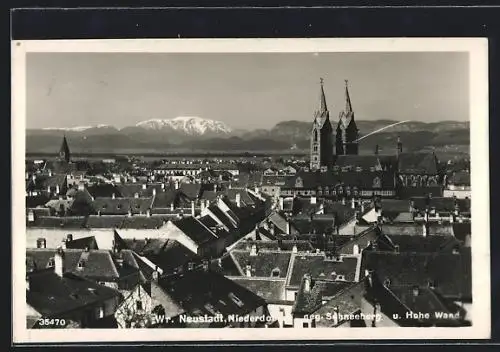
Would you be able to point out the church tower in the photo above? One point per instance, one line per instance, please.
(321, 135)
(346, 141)
(64, 154)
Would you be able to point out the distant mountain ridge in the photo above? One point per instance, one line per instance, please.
(193, 133)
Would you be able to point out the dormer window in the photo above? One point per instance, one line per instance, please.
(51, 263)
(236, 300)
(376, 182)
(275, 272)
(81, 264)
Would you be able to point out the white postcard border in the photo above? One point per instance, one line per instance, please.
(479, 114)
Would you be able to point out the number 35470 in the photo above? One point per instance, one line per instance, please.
(51, 322)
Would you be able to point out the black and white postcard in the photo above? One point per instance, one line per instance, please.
(250, 189)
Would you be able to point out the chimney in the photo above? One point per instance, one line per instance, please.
(176, 184)
(353, 204)
(362, 207)
(148, 213)
(129, 212)
(136, 195)
(415, 291)
(144, 186)
(119, 262)
(63, 243)
(81, 186)
(424, 230)
(411, 207)
(58, 190)
(307, 283)
(281, 203)
(215, 188)
(343, 200)
(335, 316)
(171, 206)
(238, 200)
(162, 186)
(31, 215)
(193, 210)
(113, 196)
(33, 177)
(27, 282)
(41, 243)
(399, 146)
(248, 270)
(295, 249)
(98, 213)
(50, 173)
(155, 275)
(59, 262)
(253, 251)
(288, 228)
(313, 200)
(154, 191)
(451, 218)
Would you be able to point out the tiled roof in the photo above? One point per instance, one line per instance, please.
(35, 201)
(347, 301)
(219, 214)
(104, 221)
(441, 204)
(461, 178)
(121, 206)
(366, 162)
(417, 229)
(284, 245)
(409, 192)
(395, 205)
(143, 222)
(419, 299)
(271, 290)
(320, 290)
(104, 190)
(82, 243)
(191, 190)
(98, 264)
(172, 257)
(446, 271)
(52, 296)
(165, 198)
(429, 244)
(195, 230)
(146, 246)
(318, 266)
(67, 222)
(129, 190)
(264, 263)
(417, 163)
(214, 293)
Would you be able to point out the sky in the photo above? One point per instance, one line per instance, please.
(243, 90)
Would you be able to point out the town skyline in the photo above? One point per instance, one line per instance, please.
(67, 90)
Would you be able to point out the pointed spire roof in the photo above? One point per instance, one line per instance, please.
(323, 108)
(64, 151)
(348, 105)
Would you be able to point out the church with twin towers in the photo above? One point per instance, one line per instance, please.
(324, 141)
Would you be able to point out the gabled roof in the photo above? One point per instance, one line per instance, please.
(165, 198)
(82, 243)
(204, 292)
(103, 190)
(195, 230)
(67, 222)
(98, 264)
(53, 296)
(263, 263)
(446, 271)
(418, 163)
(271, 290)
(320, 290)
(319, 266)
(104, 221)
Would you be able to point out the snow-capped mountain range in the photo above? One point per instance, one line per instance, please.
(189, 125)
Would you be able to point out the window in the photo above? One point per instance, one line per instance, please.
(275, 272)
(376, 182)
(315, 148)
(81, 264)
(236, 300)
(50, 264)
(315, 135)
(138, 305)
(305, 324)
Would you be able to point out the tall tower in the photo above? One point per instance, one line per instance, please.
(64, 153)
(347, 130)
(321, 135)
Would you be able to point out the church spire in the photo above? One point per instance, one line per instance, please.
(323, 108)
(64, 153)
(348, 105)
